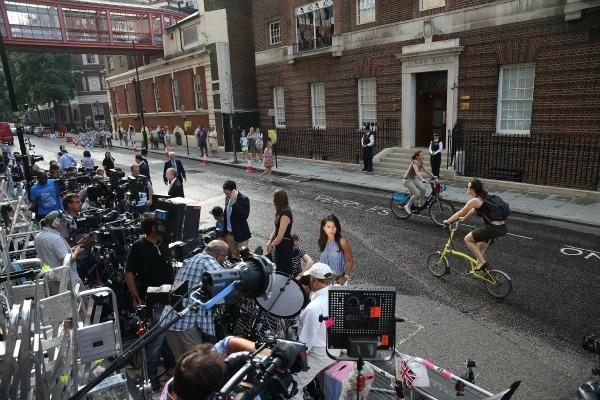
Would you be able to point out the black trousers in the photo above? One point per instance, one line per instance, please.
(436, 162)
(368, 158)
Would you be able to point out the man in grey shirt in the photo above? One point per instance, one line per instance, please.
(51, 247)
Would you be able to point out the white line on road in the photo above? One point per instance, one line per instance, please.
(472, 226)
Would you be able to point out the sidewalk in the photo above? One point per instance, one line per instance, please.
(546, 202)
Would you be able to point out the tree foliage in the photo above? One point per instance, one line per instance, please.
(39, 79)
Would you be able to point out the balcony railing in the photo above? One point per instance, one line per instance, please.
(313, 44)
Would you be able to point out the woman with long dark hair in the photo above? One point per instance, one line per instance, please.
(281, 243)
(484, 205)
(414, 181)
(334, 249)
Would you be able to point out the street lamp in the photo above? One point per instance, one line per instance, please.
(187, 145)
(138, 97)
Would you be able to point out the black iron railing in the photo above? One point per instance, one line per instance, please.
(334, 144)
(312, 44)
(543, 159)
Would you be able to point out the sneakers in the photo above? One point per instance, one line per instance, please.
(407, 209)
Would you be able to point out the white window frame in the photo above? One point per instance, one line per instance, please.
(189, 36)
(364, 107)
(526, 100)
(425, 5)
(86, 62)
(279, 106)
(175, 93)
(367, 18)
(274, 34)
(92, 81)
(317, 103)
(197, 82)
(156, 96)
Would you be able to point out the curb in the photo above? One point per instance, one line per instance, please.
(242, 165)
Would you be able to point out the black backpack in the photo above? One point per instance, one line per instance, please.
(497, 209)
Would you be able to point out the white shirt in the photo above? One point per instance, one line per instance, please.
(311, 332)
(439, 150)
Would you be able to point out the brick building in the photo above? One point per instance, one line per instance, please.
(206, 74)
(504, 69)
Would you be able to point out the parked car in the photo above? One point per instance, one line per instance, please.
(6, 133)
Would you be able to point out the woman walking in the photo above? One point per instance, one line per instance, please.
(267, 161)
(213, 141)
(132, 135)
(281, 243)
(335, 250)
(415, 182)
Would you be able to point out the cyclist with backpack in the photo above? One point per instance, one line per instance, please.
(494, 212)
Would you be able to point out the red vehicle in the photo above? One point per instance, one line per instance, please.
(6, 134)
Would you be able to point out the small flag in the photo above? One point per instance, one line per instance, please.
(411, 372)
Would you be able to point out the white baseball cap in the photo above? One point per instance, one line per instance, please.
(319, 271)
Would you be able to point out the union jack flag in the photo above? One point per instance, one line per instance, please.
(407, 374)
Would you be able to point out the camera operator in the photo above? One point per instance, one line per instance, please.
(311, 332)
(144, 199)
(196, 327)
(200, 372)
(218, 215)
(72, 205)
(51, 247)
(45, 196)
(147, 266)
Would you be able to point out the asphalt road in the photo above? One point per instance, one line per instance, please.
(533, 335)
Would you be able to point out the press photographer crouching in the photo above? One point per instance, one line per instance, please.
(196, 327)
(147, 265)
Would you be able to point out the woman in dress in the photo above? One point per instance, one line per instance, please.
(251, 144)
(281, 243)
(335, 250)
(267, 161)
(213, 141)
(258, 143)
(132, 135)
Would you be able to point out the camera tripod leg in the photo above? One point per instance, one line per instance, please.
(146, 386)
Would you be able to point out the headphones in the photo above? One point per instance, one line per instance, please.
(55, 217)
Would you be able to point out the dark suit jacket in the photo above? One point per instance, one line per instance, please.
(176, 189)
(145, 169)
(180, 171)
(240, 210)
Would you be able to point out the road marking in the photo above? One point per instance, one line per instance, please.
(353, 204)
(411, 335)
(578, 251)
(509, 234)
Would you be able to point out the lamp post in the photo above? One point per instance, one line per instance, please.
(187, 145)
(138, 97)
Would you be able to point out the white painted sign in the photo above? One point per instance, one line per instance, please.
(579, 252)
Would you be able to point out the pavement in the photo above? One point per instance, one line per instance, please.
(542, 203)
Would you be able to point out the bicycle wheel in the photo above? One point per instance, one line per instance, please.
(502, 285)
(397, 207)
(437, 264)
(440, 210)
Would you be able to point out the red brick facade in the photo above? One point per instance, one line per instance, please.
(566, 58)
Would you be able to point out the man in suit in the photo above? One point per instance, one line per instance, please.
(175, 185)
(237, 210)
(144, 166)
(175, 164)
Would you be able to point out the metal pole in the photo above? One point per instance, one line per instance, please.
(235, 160)
(187, 145)
(15, 109)
(140, 105)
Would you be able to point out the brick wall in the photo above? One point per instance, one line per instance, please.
(386, 12)
(163, 82)
(567, 78)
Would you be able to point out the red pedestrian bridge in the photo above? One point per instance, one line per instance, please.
(83, 26)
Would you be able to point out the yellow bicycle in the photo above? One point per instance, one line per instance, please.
(497, 283)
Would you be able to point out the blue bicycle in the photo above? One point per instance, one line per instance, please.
(439, 209)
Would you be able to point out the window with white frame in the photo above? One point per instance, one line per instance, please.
(279, 106)
(317, 96)
(365, 11)
(274, 32)
(197, 92)
(84, 85)
(367, 103)
(103, 84)
(114, 93)
(156, 97)
(515, 97)
(94, 83)
(430, 4)
(175, 91)
(128, 100)
(315, 25)
(190, 35)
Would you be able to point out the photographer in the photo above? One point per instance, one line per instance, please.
(72, 205)
(311, 332)
(45, 196)
(147, 266)
(144, 199)
(197, 327)
(200, 372)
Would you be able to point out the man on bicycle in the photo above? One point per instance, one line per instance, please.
(480, 238)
